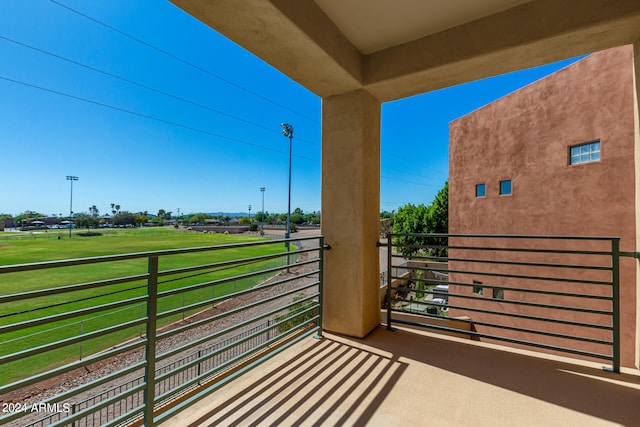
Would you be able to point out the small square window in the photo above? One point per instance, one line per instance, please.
(584, 153)
(505, 186)
(481, 190)
(498, 293)
(477, 287)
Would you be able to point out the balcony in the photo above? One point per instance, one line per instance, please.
(412, 378)
(235, 340)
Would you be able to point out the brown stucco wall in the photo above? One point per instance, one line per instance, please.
(526, 136)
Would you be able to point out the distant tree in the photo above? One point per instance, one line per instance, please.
(245, 220)
(312, 218)
(141, 218)
(261, 216)
(85, 220)
(124, 218)
(115, 209)
(411, 219)
(297, 218)
(198, 218)
(226, 219)
(94, 211)
(27, 216)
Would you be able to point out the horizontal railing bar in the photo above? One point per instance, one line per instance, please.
(519, 276)
(70, 288)
(251, 260)
(228, 279)
(75, 301)
(136, 255)
(506, 236)
(533, 304)
(219, 333)
(69, 341)
(506, 339)
(521, 316)
(201, 304)
(483, 248)
(262, 327)
(101, 380)
(235, 311)
(71, 314)
(630, 254)
(70, 367)
(506, 288)
(526, 264)
(514, 328)
(230, 346)
(235, 294)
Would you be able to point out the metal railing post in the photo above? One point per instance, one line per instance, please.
(150, 353)
(615, 279)
(389, 276)
(320, 283)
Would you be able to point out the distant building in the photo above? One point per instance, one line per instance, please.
(557, 157)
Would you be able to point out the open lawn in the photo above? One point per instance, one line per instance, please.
(45, 248)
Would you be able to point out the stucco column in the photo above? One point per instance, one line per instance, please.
(351, 212)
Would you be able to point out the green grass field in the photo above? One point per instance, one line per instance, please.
(45, 248)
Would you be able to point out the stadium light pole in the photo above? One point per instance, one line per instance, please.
(262, 216)
(287, 131)
(71, 179)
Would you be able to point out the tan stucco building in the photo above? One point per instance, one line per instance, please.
(558, 157)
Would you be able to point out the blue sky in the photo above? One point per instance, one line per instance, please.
(155, 110)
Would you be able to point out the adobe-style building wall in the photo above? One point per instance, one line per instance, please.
(526, 137)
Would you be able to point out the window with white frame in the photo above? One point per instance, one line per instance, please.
(584, 153)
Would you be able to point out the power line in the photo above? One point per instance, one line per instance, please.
(146, 116)
(152, 89)
(190, 64)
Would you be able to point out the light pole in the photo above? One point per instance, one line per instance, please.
(287, 131)
(262, 216)
(249, 213)
(71, 179)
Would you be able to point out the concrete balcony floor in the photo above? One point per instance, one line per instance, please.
(413, 378)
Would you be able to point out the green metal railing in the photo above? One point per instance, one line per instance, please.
(555, 293)
(180, 360)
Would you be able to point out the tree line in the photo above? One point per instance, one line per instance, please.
(119, 217)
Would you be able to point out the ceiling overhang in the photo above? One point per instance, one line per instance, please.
(331, 48)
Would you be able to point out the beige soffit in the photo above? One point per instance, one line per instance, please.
(336, 46)
(373, 25)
